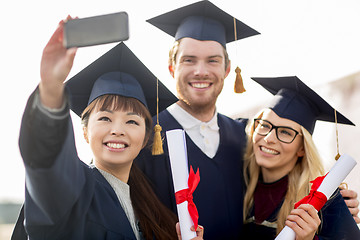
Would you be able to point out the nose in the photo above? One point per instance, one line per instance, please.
(201, 70)
(271, 136)
(117, 130)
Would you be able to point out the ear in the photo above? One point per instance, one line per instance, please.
(227, 70)
(301, 152)
(171, 70)
(85, 132)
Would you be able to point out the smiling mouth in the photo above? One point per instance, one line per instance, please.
(200, 85)
(116, 145)
(269, 151)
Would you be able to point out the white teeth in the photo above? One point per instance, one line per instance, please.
(115, 145)
(270, 151)
(200, 85)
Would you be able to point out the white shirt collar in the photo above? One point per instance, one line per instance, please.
(204, 134)
(187, 121)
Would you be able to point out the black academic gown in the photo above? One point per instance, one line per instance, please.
(337, 223)
(219, 195)
(65, 198)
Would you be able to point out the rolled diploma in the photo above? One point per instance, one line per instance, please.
(179, 168)
(331, 182)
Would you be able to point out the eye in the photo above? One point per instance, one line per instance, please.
(132, 122)
(213, 61)
(103, 118)
(187, 60)
(265, 125)
(287, 132)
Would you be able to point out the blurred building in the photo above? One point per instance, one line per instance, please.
(8, 216)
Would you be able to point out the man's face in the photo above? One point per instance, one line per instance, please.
(199, 72)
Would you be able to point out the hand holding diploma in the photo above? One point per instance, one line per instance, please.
(184, 183)
(322, 189)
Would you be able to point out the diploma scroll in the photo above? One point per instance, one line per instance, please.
(179, 168)
(330, 183)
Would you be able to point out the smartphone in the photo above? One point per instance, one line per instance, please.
(96, 30)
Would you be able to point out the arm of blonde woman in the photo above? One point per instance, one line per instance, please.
(350, 197)
(304, 221)
(56, 63)
(199, 232)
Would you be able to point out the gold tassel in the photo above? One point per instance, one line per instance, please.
(157, 147)
(337, 138)
(239, 85)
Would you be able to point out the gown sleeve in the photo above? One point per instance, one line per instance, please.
(54, 175)
(337, 221)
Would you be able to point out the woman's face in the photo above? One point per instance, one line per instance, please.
(276, 158)
(115, 137)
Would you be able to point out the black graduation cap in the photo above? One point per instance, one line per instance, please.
(296, 101)
(202, 21)
(124, 75)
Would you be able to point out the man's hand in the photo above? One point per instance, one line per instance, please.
(351, 201)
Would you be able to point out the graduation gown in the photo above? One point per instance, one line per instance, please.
(219, 195)
(65, 198)
(337, 222)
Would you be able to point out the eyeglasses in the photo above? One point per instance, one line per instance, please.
(283, 134)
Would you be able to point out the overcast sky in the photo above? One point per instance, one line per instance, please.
(319, 41)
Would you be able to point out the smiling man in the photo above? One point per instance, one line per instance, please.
(199, 63)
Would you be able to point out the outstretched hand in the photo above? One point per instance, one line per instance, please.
(56, 63)
(304, 220)
(199, 232)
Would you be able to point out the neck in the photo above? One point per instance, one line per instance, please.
(272, 176)
(121, 173)
(204, 114)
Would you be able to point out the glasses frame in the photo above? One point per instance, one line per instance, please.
(276, 130)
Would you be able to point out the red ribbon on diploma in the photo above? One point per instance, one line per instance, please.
(186, 195)
(315, 198)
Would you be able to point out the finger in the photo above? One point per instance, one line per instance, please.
(305, 216)
(200, 231)
(354, 211)
(177, 226)
(310, 210)
(352, 203)
(348, 194)
(294, 226)
(58, 34)
(357, 219)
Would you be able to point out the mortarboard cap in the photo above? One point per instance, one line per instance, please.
(202, 21)
(296, 101)
(118, 72)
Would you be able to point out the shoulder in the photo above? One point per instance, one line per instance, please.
(225, 121)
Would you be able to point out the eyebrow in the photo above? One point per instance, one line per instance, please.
(192, 56)
(132, 114)
(128, 113)
(216, 56)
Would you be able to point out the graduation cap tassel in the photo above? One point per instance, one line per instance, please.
(239, 84)
(337, 138)
(157, 147)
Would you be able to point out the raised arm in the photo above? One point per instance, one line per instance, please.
(56, 64)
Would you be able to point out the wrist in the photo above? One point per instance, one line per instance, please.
(51, 97)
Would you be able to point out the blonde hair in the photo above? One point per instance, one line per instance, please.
(306, 169)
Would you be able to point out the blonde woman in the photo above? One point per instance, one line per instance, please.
(280, 161)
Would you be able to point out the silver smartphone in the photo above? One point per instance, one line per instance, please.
(96, 30)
